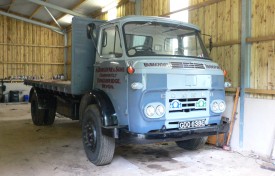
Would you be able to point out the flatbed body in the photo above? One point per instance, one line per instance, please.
(52, 85)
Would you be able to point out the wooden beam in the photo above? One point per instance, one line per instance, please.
(260, 91)
(226, 43)
(12, 1)
(193, 7)
(260, 39)
(73, 8)
(36, 10)
(34, 63)
(231, 89)
(28, 45)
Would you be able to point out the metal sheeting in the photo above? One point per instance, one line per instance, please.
(34, 10)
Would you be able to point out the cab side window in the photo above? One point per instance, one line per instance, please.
(110, 42)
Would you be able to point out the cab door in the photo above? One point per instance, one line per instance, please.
(110, 70)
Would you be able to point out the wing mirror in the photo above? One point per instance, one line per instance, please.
(91, 31)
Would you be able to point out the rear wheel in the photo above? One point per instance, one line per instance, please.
(36, 113)
(192, 144)
(50, 112)
(98, 147)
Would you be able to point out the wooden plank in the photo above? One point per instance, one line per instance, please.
(260, 39)
(201, 20)
(231, 89)
(34, 50)
(1, 47)
(227, 33)
(252, 65)
(30, 53)
(8, 48)
(34, 63)
(193, 7)
(263, 19)
(154, 5)
(42, 52)
(233, 116)
(207, 23)
(236, 66)
(262, 68)
(235, 20)
(227, 60)
(271, 65)
(225, 43)
(260, 91)
(220, 19)
(30, 45)
(143, 7)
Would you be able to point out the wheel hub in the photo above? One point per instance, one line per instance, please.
(90, 136)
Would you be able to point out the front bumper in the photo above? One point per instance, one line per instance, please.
(126, 137)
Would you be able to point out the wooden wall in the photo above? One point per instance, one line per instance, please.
(221, 20)
(126, 9)
(69, 55)
(29, 50)
(155, 8)
(263, 52)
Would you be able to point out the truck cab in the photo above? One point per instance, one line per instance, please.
(159, 81)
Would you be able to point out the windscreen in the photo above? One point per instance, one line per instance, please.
(155, 39)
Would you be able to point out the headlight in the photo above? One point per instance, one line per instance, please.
(218, 106)
(160, 110)
(222, 106)
(215, 107)
(154, 110)
(149, 111)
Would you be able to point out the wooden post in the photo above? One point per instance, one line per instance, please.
(232, 122)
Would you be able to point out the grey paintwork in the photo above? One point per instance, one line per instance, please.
(83, 54)
(132, 18)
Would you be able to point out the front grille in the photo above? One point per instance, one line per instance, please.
(185, 105)
(187, 65)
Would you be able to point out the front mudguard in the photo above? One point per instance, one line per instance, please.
(104, 105)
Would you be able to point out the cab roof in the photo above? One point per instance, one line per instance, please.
(133, 18)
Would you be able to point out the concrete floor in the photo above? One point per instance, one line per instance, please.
(26, 149)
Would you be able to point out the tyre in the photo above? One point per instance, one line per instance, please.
(192, 144)
(37, 114)
(50, 113)
(98, 147)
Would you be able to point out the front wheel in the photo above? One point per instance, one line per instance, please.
(192, 144)
(98, 147)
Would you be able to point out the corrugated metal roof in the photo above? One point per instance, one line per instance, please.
(33, 10)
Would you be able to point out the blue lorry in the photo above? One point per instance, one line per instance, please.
(135, 80)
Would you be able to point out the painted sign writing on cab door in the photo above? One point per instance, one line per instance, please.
(108, 76)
